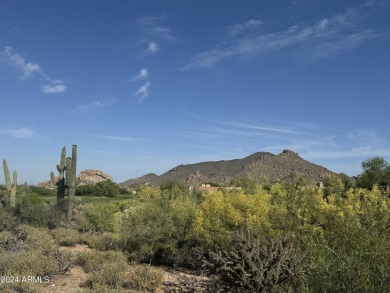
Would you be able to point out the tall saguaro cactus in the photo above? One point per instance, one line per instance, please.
(10, 186)
(72, 181)
(61, 179)
(66, 184)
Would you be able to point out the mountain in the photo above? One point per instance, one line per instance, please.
(260, 166)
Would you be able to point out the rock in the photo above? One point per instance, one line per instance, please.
(86, 177)
(91, 177)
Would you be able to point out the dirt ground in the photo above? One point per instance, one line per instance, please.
(173, 280)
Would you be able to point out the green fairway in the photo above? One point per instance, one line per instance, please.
(94, 199)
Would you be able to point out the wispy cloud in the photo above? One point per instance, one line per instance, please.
(26, 68)
(29, 69)
(153, 31)
(93, 106)
(143, 73)
(111, 137)
(151, 48)
(320, 39)
(55, 87)
(239, 28)
(156, 27)
(19, 132)
(142, 92)
(249, 126)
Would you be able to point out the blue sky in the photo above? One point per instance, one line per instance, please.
(142, 86)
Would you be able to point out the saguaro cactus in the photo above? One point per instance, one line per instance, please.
(72, 181)
(66, 184)
(61, 178)
(11, 186)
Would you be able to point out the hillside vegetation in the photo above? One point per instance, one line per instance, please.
(261, 167)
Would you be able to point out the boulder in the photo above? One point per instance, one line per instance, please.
(91, 177)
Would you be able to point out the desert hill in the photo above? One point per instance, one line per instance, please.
(260, 166)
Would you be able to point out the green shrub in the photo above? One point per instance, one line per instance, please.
(35, 211)
(42, 191)
(159, 229)
(101, 216)
(107, 188)
(85, 190)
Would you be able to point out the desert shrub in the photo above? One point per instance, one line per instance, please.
(27, 263)
(92, 261)
(30, 251)
(255, 264)
(159, 229)
(144, 279)
(35, 211)
(20, 287)
(66, 237)
(110, 276)
(8, 221)
(104, 241)
(101, 216)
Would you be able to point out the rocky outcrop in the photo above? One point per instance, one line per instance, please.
(86, 177)
(91, 177)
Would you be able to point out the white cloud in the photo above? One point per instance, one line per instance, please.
(152, 20)
(93, 106)
(155, 27)
(152, 47)
(29, 69)
(250, 24)
(23, 132)
(143, 73)
(26, 68)
(55, 87)
(111, 137)
(324, 38)
(142, 92)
